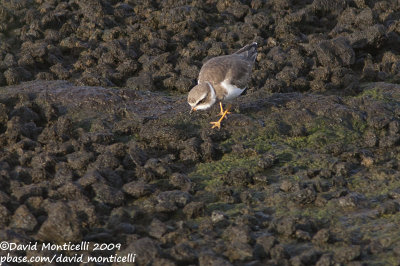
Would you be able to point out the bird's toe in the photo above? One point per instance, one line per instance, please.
(216, 124)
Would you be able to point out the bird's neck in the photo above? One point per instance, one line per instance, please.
(212, 90)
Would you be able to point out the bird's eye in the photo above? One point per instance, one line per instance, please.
(202, 101)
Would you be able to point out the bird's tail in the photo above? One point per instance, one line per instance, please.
(249, 51)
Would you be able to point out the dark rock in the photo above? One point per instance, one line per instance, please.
(352, 200)
(9, 60)
(238, 177)
(234, 7)
(69, 191)
(335, 52)
(107, 194)
(63, 174)
(289, 186)
(325, 260)
(16, 75)
(91, 177)
(3, 114)
(157, 228)
(79, 160)
(309, 257)
(278, 252)
(339, 181)
(267, 161)
(190, 151)
(394, 127)
(396, 249)
(61, 130)
(285, 226)
(287, 75)
(22, 174)
(26, 114)
(237, 234)
(145, 175)
(304, 196)
(106, 160)
(389, 207)
(217, 216)
(26, 191)
(321, 185)
(98, 236)
(142, 82)
(44, 161)
(208, 150)
(375, 247)
(171, 200)
(342, 168)
(248, 197)
(389, 141)
(23, 219)
(16, 129)
(162, 262)
(239, 251)
(321, 237)
(181, 181)
(180, 84)
(138, 189)
(4, 198)
(212, 259)
(266, 242)
(194, 209)
(372, 36)
(135, 154)
(93, 78)
(261, 180)
(183, 252)
(60, 71)
(147, 247)
(347, 253)
(158, 167)
(85, 211)
(394, 194)
(4, 216)
(227, 195)
(61, 224)
(124, 228)
(100, 137)
(302, 235)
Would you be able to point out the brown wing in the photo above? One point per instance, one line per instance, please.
(233, 68)
(239, 75)
(213, 71)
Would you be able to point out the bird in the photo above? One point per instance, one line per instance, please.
(223, 78)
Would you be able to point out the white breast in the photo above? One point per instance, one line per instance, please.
(232, 90)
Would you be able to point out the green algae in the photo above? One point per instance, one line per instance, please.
(228, 209)
(378, 92)
(210, 173)
(374, 184)
(311, 149)
(375, 93)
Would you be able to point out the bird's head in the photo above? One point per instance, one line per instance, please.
(201, 97)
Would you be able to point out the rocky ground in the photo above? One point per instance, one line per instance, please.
(98, 144)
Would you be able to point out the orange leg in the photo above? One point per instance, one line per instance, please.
(222, 109)
(218, 123)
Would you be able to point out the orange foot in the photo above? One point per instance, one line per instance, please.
(218, 123)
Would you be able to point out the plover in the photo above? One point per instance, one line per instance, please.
(223, 78)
